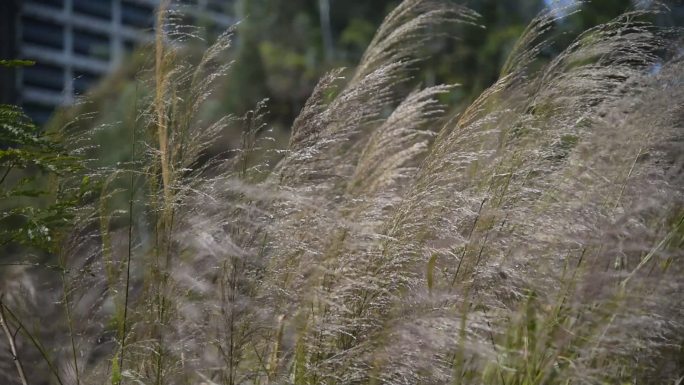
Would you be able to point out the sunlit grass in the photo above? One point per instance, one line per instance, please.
(533, 239)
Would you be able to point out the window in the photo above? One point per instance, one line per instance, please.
(220, 6)
(129, 45)
(39, 113)
(137, 15)
(44, 76)
(83, 81)
(97, 8)
(184, 25)
(49, 3)
(42, 32)
(91, 44)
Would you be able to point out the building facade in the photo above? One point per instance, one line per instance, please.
(76, 42)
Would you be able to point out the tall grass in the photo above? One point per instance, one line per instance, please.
(534, 238)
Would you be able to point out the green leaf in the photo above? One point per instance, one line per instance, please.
(116, 370)
(16, 63)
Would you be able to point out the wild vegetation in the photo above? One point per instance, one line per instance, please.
(534, 238)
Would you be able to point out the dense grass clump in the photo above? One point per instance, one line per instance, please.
(534, 238)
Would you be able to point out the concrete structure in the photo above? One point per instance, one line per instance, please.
(75, 42)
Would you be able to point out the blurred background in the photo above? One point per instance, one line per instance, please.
(282, 47)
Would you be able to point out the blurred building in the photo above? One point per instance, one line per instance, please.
(75, 42)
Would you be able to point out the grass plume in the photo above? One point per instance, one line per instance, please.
(535, 238)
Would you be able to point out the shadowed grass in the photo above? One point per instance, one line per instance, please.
(535, 238)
